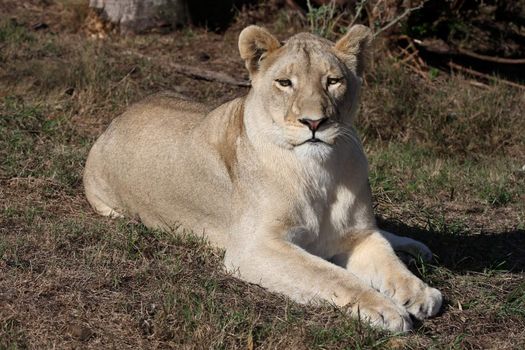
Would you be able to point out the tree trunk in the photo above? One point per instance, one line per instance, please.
(137, 16)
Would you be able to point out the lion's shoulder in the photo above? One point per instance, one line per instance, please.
(224, 127)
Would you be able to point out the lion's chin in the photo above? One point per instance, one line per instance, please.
(311, 149)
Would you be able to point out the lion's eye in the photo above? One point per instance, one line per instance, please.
(333, 81)
(284, 82)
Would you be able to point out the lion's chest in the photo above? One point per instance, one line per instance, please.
(325, 212)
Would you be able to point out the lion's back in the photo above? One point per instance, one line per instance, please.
(149, 160)
(166, 107)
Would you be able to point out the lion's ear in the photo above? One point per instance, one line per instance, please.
(254, 44)
(355, 47)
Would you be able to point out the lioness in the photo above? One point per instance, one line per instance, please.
(277, 178)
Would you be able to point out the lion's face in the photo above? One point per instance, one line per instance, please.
(307, 88)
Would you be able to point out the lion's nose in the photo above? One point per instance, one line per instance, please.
(312, 124)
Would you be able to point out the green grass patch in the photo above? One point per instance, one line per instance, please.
(515, 302)
(39, 142)
(404, 172)
(13, 33)
(12, 335)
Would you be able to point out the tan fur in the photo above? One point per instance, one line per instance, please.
(294, 215)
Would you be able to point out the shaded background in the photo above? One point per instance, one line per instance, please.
(486, 36)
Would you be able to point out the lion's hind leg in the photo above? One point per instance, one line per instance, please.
(98, 193)
(100, 205)
(408, 246)
(102, 208)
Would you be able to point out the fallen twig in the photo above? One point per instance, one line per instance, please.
(484, 76)
(409, 57)
(491, 58)
(439, 47)
(198, 73)
(412, 60)
(478, 84)
(418, 71)
(209, 75)
(412, 45)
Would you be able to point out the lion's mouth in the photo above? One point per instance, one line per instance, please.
(312, 140)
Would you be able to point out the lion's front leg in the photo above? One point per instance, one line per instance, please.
(373, 260)
(283, 267)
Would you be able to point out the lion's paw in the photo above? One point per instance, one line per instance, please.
(426, 304)
(417, 298)
(382, 313)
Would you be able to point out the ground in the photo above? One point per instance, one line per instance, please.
(446, 160)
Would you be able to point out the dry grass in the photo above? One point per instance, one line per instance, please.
(446, 116)
(445, 168)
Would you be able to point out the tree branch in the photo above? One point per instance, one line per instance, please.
(484, 76)
(197, 73)
(399, 18)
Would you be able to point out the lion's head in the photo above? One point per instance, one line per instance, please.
(305, 91)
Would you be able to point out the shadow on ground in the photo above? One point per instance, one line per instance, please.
(468, 251)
